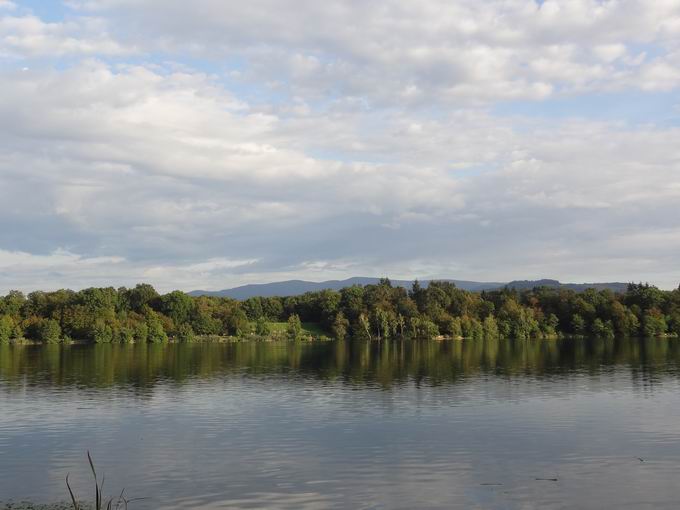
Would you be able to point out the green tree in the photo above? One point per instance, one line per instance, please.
(272, 308)
(142, 295)
(674, 323)
(236, 322)
(624, 320)
(294, 327)
(401, 325)
(384, 322)
(340, 326)
(365, 326)
(654, 323)
(12, 303)
(644, 295)
(490, 327)
(328, 306)
(253, 308)
(455, 328)
(102, 332)
(155, 332)
(419, 295)
(427, 329)
(352, 302)
(140, 331)
(519, 320)
(578, 324)
(471, 327)
(205, 318)
(549, 325)
(127, 335)
(178, 306)
(262, 327)
(602, 329)
(185, 333)
(49, 331)
(421, 327)
(6, 328)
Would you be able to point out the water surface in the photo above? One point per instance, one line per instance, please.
(398, 425)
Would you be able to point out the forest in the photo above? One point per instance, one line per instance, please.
(372, 312)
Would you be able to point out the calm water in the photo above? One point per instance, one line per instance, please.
(347, 425)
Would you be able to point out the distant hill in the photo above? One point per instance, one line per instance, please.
(578, 287)
(296, 287)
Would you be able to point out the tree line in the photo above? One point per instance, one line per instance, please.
(371, 312)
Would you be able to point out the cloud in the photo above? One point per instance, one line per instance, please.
(160, 166)
(58, 269)
(29, 36)
(59, 258)
(393, 52)
(62, 268)
(272, 140)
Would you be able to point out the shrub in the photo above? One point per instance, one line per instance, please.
(49, 331)
(490, 327)
(340, 326)
(156, 333)
(185, 333)
(471, 327)
(578, 324)
(262, 327)
(140, 332)
(294, 327)
(603, 329)
(102, 333)
(654, 323)
(6, 328)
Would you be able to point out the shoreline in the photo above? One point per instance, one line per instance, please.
(215, 339)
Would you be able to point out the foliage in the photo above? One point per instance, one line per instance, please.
(294, 328)
(578, 324)
(654, 323)
(48, 331)
(6, 328)
(602, 329)
(155, 332)
(185, 333)
(423, 328)
(490, 327)
(177, 305)
(340, 326)
(262, 327)
(373, 312)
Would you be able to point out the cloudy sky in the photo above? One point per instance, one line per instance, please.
(212, 143)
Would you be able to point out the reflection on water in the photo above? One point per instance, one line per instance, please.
(386, 363)
(348, 425)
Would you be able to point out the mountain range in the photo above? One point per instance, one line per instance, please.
(296, 287)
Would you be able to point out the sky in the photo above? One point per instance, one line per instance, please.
(213, 143)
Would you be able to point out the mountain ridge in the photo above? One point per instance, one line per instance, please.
(296, 287)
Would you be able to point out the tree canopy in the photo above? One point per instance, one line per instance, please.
(373, 312)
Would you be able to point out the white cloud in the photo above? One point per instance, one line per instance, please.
(150, 165)
(62, 268)
(661, 74)
(29, 36)
(59, 258)
(347, 139)
(59, 269)
(393, 52)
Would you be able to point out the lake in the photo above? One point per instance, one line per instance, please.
(586, 424)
